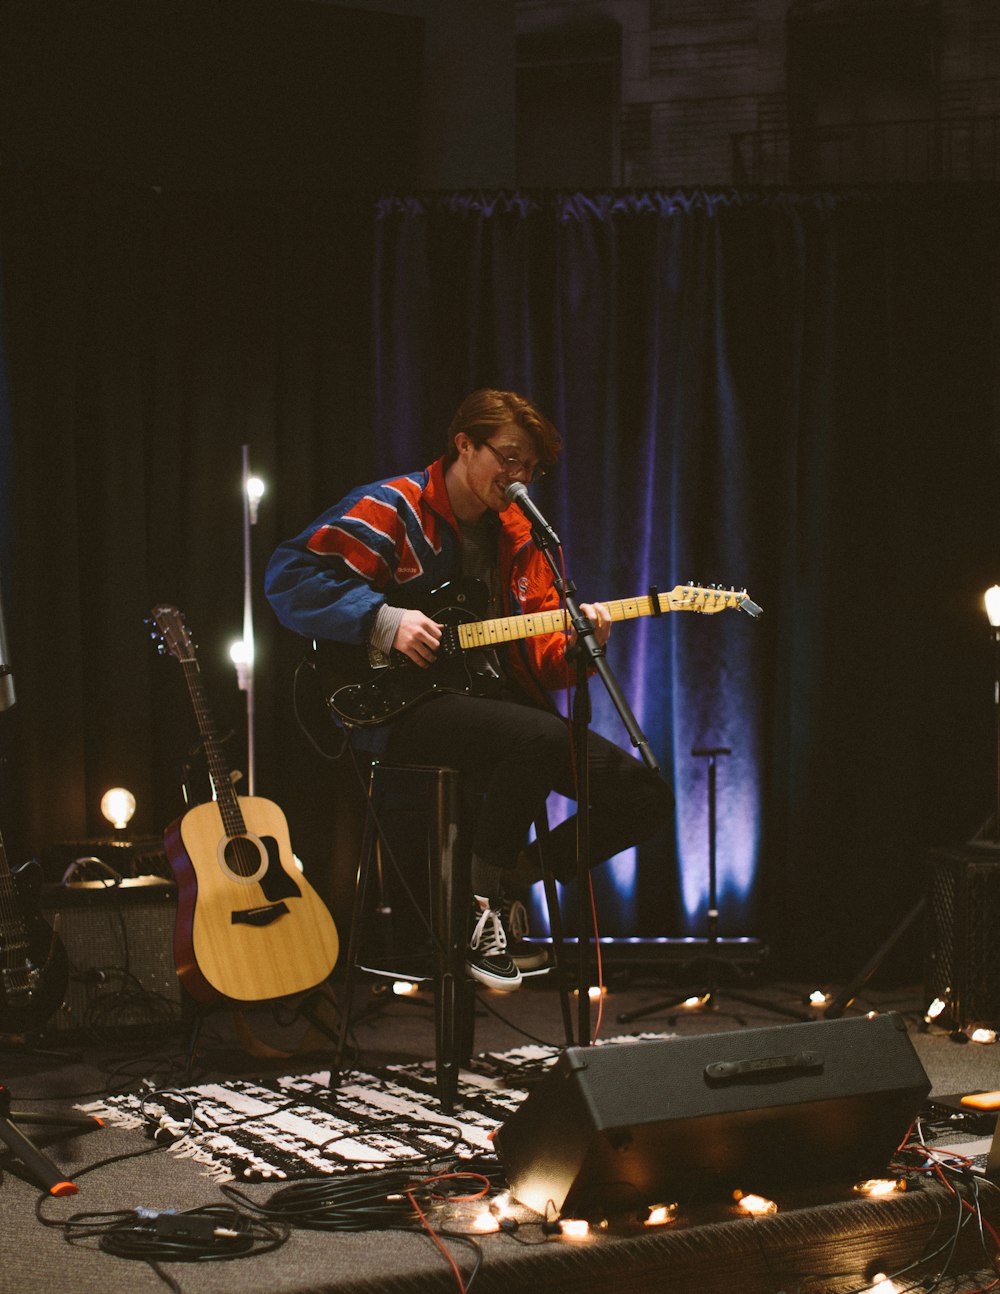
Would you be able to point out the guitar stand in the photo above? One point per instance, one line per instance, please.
(708, 992)
(42, 1169)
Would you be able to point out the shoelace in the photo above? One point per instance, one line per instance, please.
(515, 919)
(493, 939)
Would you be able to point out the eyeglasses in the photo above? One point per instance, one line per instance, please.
(514, 466)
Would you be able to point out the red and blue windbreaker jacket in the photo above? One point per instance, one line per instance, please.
(397, 541)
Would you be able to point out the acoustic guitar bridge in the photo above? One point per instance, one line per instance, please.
(262, 916)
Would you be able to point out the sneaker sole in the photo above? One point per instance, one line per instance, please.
(493, 981)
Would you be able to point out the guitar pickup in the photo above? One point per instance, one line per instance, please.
(262, 916)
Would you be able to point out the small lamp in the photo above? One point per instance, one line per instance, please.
(118, 806)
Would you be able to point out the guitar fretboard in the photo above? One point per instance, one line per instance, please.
(222, 782)
(488, 633)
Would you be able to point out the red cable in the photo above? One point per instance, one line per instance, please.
(434, 1236)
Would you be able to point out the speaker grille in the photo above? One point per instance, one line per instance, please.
(119, 941)
(962, 955)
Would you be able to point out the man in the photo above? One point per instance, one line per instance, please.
(360, 575)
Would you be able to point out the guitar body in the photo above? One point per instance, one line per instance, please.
(382, 692)
(34, 968)
(249, 925)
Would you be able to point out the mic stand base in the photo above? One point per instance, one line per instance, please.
(709, 999)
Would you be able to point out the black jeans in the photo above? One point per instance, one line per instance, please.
(518, 753)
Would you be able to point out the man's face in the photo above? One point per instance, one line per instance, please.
(487, 469)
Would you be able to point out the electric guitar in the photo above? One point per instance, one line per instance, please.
(363, 693)
(249, 926)
(34, 968)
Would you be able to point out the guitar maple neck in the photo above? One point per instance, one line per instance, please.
(218, 769)
(488, 633)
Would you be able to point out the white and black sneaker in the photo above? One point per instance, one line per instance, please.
(486, 958)
(525, 955)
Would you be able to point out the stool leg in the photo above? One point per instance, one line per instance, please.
(357, 918)
(450, 916)
(555, 925)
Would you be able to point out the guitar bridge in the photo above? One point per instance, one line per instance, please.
(262, 916)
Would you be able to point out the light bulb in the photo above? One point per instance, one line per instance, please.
(240, 652)
(255, 492)
(992, 600)
(118, 805)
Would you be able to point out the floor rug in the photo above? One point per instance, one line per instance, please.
(303, 1125)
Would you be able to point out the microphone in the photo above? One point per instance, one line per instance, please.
(517, 492)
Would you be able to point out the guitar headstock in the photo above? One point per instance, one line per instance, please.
(170, 633)
(709, 599)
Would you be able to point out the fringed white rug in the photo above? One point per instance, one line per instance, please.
(301, 1125)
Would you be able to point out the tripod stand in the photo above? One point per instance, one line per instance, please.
(708, 992)
(42, 1169)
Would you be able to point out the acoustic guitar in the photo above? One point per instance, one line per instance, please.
(249, 925)
(34, 968)
(363, 693)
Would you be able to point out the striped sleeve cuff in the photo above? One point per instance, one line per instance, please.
(383, 634)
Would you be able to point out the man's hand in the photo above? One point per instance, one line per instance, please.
(600, 617)
(418, 637)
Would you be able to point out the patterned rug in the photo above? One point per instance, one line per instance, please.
(300, 1126)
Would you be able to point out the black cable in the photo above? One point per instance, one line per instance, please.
(212, 1233)
(542, 1042)
(360, 1202)
(307, 661)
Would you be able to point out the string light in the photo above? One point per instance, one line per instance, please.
(983, 1035)
(660, 1215)
(574, 1229)
(756, 1205)
(875, 1186)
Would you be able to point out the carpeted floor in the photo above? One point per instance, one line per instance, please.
(819, 1245)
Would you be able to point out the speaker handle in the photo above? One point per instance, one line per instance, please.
(726, 1071)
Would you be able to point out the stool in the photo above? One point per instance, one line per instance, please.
(448, 857)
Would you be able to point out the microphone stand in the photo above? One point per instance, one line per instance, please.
(588, 652)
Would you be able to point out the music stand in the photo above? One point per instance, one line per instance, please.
(714, 965)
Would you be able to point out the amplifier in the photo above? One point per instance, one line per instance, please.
(962, 952)
(119, 941)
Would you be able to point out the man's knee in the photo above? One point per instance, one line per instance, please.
(652, 803)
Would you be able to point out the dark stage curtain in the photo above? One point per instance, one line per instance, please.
(791, 392)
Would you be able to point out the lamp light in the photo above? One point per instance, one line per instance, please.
(255, 492)
(992, 600)
(241, 654)
(118, 806)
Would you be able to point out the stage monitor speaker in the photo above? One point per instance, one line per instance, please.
(618, 1128)
(119, 941)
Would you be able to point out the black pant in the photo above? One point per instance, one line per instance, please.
(518, 753)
